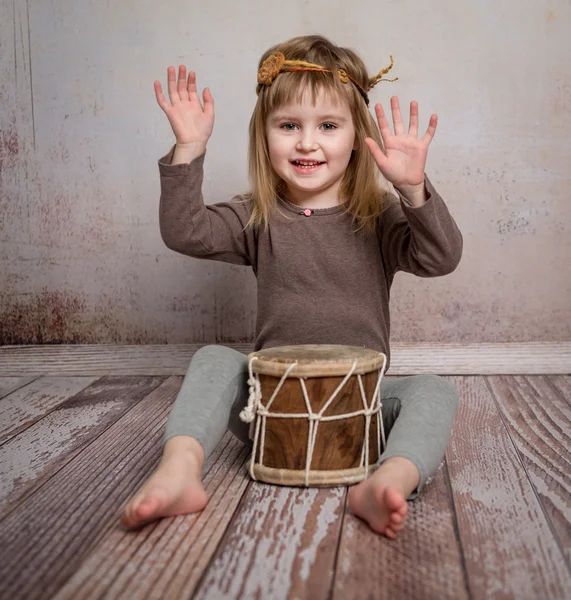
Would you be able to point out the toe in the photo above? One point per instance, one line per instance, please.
(127, 518)
(396, 518)
(394, 499)
(390, 533)
(147, 507)
(133, 505)
(140, 509)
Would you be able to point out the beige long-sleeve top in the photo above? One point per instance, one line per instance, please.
(319, 282)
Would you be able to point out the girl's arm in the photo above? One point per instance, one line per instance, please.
(190, 227)
(187, 225)
(422, 240)
(417, 234)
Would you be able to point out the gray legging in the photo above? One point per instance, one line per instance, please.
(418, 411)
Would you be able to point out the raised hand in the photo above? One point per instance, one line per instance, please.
(405, 159)
(189, 121)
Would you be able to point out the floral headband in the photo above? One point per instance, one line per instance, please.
(276, 63)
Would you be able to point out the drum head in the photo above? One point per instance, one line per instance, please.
(316, 360)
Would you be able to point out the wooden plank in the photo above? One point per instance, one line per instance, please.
(479, 359)
(11, 384)
(30, 458)
(166, 559)
(539, 421)
(101, 359)
(27, 405)
(423, 562)
(509, 549)
(282, 544)
(45, 539)
(525, 358)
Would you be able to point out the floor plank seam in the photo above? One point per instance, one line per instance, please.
(85, 555)
(456, 528)
(72, 457)
(31, 491)
(524, 469)
(149, 425)
(112, 424)
(338, 546)
(19, 387)
(135, 547)
(48, 412)
(222, 540)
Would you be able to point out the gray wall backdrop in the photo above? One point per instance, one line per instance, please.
(81, 258)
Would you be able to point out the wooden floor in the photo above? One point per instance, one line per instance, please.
(80, 430)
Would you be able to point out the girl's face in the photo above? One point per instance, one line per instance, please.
(322, 134)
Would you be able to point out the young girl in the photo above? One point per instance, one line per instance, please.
(325, 236)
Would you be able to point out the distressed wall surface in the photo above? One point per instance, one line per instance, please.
(81, 258)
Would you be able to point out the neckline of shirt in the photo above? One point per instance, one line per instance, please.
(295, 208)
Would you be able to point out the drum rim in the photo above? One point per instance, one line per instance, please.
(371, 360)
(317, 478)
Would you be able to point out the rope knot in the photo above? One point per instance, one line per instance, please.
(254, 386)
(248, 414)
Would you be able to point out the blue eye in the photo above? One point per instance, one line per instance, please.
(287, 124)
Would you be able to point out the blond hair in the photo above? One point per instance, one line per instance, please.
(362, 184)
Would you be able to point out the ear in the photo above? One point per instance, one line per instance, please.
(356, 144)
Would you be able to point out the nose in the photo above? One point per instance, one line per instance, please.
(306, 141)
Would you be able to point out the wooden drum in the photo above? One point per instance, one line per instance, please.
(315, 414)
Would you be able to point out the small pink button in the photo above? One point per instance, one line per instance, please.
(307, 212)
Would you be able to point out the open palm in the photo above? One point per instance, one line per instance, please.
(405, 158)
(190, 122)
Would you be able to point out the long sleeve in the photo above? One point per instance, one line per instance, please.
(190, 227)
(424, 240)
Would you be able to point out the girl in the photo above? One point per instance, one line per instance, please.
(325, 236)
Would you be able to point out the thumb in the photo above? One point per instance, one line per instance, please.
(208, 102)
(377, 153)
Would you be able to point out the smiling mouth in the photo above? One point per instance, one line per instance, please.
(304, 165)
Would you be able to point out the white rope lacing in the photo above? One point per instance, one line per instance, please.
(256, 408)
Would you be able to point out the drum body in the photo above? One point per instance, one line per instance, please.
(315, 414)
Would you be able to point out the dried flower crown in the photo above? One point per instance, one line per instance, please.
(276, 63)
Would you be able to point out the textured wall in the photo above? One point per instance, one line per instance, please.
(81, 258)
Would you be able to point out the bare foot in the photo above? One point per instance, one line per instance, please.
(380, 500)
(175, 488)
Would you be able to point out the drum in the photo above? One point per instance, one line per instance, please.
(315, 413)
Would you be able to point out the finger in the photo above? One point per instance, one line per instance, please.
(171, 84)
(192, 93)
(397, 118)
(160, 97)
(208, 102)
(377, 153)
(413, 126)
(427, 137)
(383, 123)
(181, 84)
